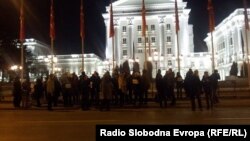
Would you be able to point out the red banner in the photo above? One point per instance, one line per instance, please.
(52, 22)
(82, 33)
(144, 25)
(111, 26)
(211, 16)
(22, 34)
(177, 27)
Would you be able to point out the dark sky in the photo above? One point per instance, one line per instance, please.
(67, 22)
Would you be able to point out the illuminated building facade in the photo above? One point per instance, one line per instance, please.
(160, 41)
(229, 40)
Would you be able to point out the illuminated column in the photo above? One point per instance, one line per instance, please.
(117, 47)
(130, 37)
(162, 39)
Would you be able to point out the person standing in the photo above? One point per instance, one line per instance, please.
(17, 92)
(50, 85)
(196, 91)
(106, 91)
(214, 83)
(38, 91)
(206, 85)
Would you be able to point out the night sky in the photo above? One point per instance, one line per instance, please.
(67, 22)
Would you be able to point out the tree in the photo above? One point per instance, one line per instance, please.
(9, 54)
(234, 69)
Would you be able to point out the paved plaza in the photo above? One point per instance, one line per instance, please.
(73, 124)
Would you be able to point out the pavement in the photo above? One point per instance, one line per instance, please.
(73, 124)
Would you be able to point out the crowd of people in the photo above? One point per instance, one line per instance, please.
(119, 89)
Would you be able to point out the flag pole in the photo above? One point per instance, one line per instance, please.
(22, 39)
(82, 34)
(111, 34)
(144, 32)
(178, 52)
(211, 29)
(113, 55)
(212, 44)
(177, 35)
(52, 34)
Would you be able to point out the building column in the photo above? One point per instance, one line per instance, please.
(130, 38)
(162, 46)
(117, 47)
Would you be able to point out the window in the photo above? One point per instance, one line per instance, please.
(168, 27)
(124, 52)
(153, 39)
(139, 40)
(169, 63)
(146, 27)
(139, 51)
(139, 28)
(124, 41)
(168, 39)
(169, 50)
(146, 39)
(152, 27)
(231, 41)
(124, 29)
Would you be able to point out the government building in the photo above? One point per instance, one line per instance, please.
(160, 43)
(230, 42)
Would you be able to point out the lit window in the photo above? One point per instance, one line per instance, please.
(124, 41)
(152, 27)
(169, 63)
(168, 27)
(169, 50)
(139, 40)
(139, 28)
(124, 52)
(168, 39)
(124, 29)
(153, 39)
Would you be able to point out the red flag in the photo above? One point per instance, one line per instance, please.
(111, 26)
(52, 22)
(177, 27)
(21, 35)
(246, 16)
(144, 25)
(82, 34)
(211, 16)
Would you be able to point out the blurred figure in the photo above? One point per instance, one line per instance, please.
(106, 91)
(26, 86)
(214, 83)
(196, 91)
(17, 92)
(38, 91)
(179, 85)
(206, 85)
(50, 87)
